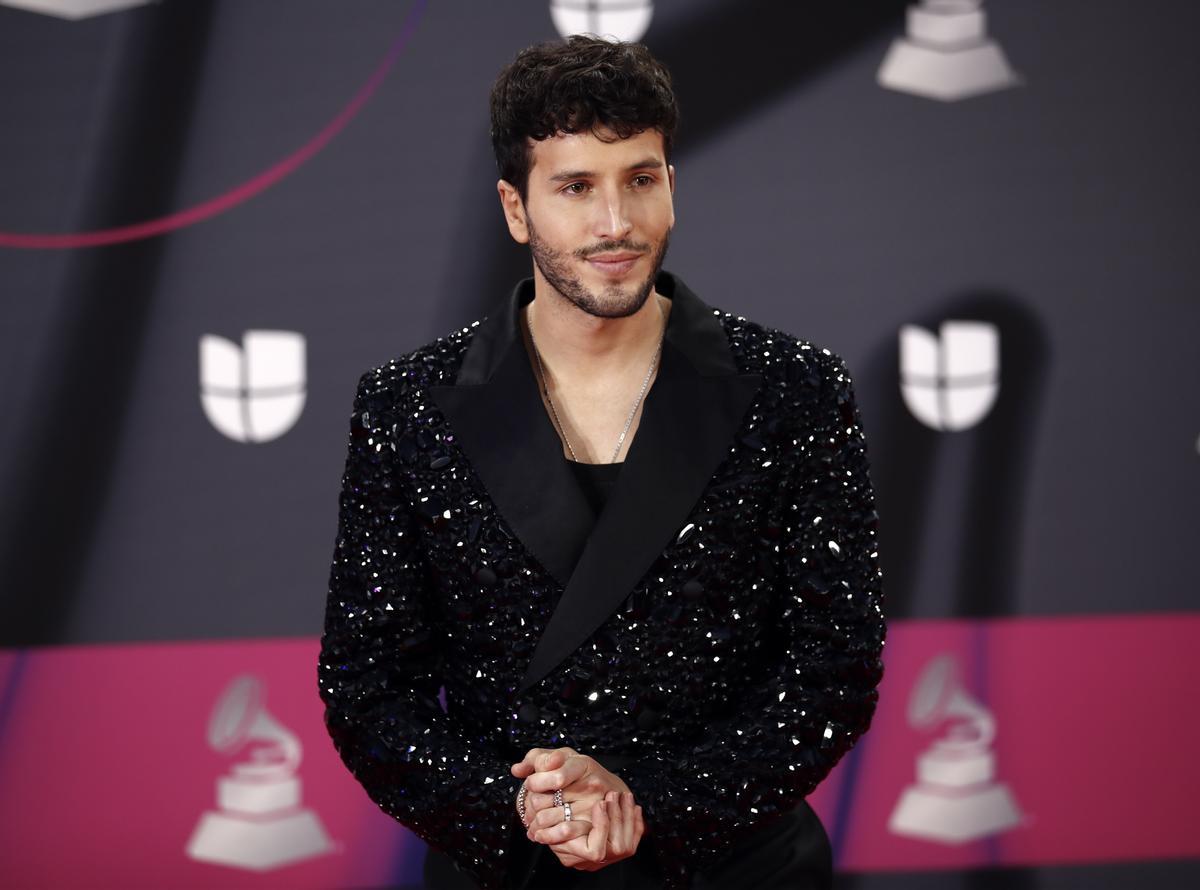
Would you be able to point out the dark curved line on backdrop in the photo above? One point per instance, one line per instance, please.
(240, 193)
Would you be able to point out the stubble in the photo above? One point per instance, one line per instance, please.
(614, 300)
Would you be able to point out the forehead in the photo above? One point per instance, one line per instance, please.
(584, 151)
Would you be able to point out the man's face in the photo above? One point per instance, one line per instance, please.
(598, 218)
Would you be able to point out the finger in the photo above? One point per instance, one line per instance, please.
(588, 853)
(597, 838)
(528, 763)
(562, 832)
(573, 769)
(548, 817)
(624, 841)
(536, 801)
(641, 826)
(547, 760)
(614, 849)
(583, 846)
(570, 860)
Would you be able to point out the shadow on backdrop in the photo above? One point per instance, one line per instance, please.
(985, 544)
(71, 446)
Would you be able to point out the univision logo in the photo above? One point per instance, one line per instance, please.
(73, 9)
(254, 392)
(624, 20)
(950, 382)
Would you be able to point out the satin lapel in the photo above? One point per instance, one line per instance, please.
(689, 419)
(496, 412)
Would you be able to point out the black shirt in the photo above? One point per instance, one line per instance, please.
(597, 481)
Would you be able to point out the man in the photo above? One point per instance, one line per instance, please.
(631, 535)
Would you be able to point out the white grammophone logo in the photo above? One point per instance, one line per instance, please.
(73, 9)
(624, 20)
(259, 823)
(254, 392)
(956, 798)
(947, 54)
(950, 382)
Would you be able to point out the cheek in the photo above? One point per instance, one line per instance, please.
(562, 234)
(563, 246)
(657, 214)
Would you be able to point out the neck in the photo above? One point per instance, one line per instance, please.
(583, 348)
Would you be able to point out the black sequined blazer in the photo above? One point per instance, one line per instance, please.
(718, 631)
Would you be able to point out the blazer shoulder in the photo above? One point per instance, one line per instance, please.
(435, 363)
(780, 357)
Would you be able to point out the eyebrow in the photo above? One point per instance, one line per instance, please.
(644, 164)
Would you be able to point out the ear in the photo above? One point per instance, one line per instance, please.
(514, 211)
(671, 180)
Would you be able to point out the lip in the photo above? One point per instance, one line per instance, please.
(614, 264)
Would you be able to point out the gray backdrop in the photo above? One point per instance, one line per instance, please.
(1063, 210)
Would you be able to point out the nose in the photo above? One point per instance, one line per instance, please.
(612, 215)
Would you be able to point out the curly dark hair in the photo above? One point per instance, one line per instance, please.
(569, 87)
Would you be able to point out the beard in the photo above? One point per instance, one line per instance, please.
(613, 300)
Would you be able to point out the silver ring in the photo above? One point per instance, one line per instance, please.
(566, 811)
(558, 799)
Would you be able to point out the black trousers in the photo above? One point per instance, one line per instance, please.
(793, 853)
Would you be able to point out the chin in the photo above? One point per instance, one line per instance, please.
(621, 301)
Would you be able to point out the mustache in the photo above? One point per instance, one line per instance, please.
(608, 246)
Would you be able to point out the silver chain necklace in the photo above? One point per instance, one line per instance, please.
(638, 401)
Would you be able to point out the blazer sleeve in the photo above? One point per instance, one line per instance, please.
(380, 665)
(820, 691)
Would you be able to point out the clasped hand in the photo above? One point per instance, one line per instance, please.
(606, 825)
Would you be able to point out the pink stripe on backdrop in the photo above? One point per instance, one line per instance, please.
(105, 769)
(1096, 734)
